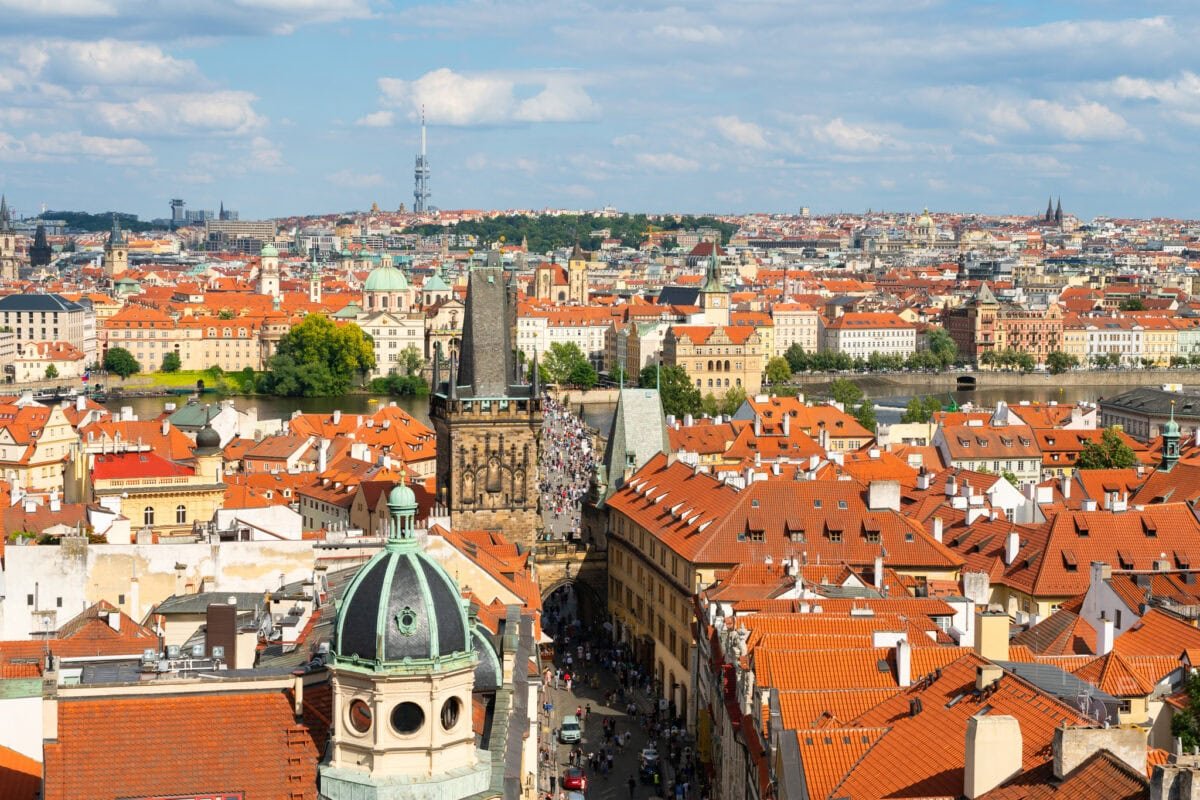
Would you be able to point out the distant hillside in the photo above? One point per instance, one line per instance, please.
(549, 232)
(92, 223)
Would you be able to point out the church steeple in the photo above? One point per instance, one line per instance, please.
(1049, 209)
(714, 297)
(4, 215)
(1058, 217)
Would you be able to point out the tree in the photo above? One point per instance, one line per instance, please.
(411, 361)
(225, 313)
(1011, 477)
(678, 393)
(171, 362)
(1186, 721)
(942, 346)
(866, 415)
(318, 359)
(845, 392)
(1059, 362)
(1133, 304)
(51, 372)
(778, 370)
(120, 361)
(1110, 452)
(921, 409)
(797, 359)
(733, 399)
(566, 364)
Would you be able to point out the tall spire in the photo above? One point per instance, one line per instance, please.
(1058, 212)
(712, 273)
(3, 213)
(116, 236)
(1170, 442)
(1049, 209)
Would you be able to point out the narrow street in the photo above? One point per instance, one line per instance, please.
(593, 685)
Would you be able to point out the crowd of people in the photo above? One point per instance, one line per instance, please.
(566, 469)
(586, 660)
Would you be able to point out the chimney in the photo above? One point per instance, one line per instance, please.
(688, 420)
(298, 693)
(937, 528)
(337, 416)
(951, 486)
(922, 480)
(991, 635)
(670, 420)
(1074, 745)
(986, 676)
(883, 496)
(80, 402)
(757, 425)
(1089, 505)
(1012, 544)
(322, 455)
(1065, 486)
(113, 618)
(879, 573)
(903, 663)
(993, 753)
(1105, 634)
(787, 424)
(166, 426)
(55, 502)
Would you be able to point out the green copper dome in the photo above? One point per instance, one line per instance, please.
(402, 611)
(269, 251)
(386, 279)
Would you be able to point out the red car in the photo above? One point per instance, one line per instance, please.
(575, 778)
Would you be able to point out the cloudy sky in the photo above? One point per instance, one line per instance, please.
(305, 106)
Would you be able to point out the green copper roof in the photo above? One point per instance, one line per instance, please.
(386, 279)
(269, 251)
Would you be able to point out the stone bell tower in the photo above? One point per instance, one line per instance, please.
(488, 419)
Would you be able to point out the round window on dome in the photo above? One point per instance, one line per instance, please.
(450, 712)
(406, 621)
(360, 716)
(407, 718)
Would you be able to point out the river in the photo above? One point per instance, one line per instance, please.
(599, 417)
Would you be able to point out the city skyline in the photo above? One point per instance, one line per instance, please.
(286, 107)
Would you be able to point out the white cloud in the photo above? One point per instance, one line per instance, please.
(560, 101)
(71, 146)
(179, 114)
(450, 98)
(692, 34)
(106, 61)
(377, 119)
(265, 156)
(740, 132)
(348, 179)
(61, 8)
(844, 136)
(1085, 120)
(667, 162)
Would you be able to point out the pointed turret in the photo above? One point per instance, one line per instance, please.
(712, 272)
(116, 235)
(1058, 213)
(4, 216)
(1049, 209)
(984, 296)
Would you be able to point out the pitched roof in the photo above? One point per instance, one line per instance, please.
(1101, 775)
(20, 776)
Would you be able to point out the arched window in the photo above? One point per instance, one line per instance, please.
(710, 366)
(180, 514)
(148, 515)
(383, 301)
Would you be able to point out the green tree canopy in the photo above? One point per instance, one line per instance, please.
(566, 364)
(921, 409)
(1059, 362)
(1110, 452)
(1133, 304)
(171, 362)
(778, 370)
(865, 414)
(942, 347)
(679, 394)
(120, 361)
(1186, 722)
(319, 359)
(51, 372)
(845, 392)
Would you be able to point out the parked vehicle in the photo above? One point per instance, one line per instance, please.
(575, 778)
(570, 731)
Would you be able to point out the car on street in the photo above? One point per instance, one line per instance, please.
(575, 778)
(570, 732)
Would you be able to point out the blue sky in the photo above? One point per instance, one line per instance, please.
(310, 106)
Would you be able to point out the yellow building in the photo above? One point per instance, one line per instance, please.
(34, 442)
(1160, 340)
(162, 496)
(718, 358)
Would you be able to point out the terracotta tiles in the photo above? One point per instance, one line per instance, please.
(20, 776)
(1101, 776)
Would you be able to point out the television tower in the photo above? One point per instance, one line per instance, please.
(421, 174)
